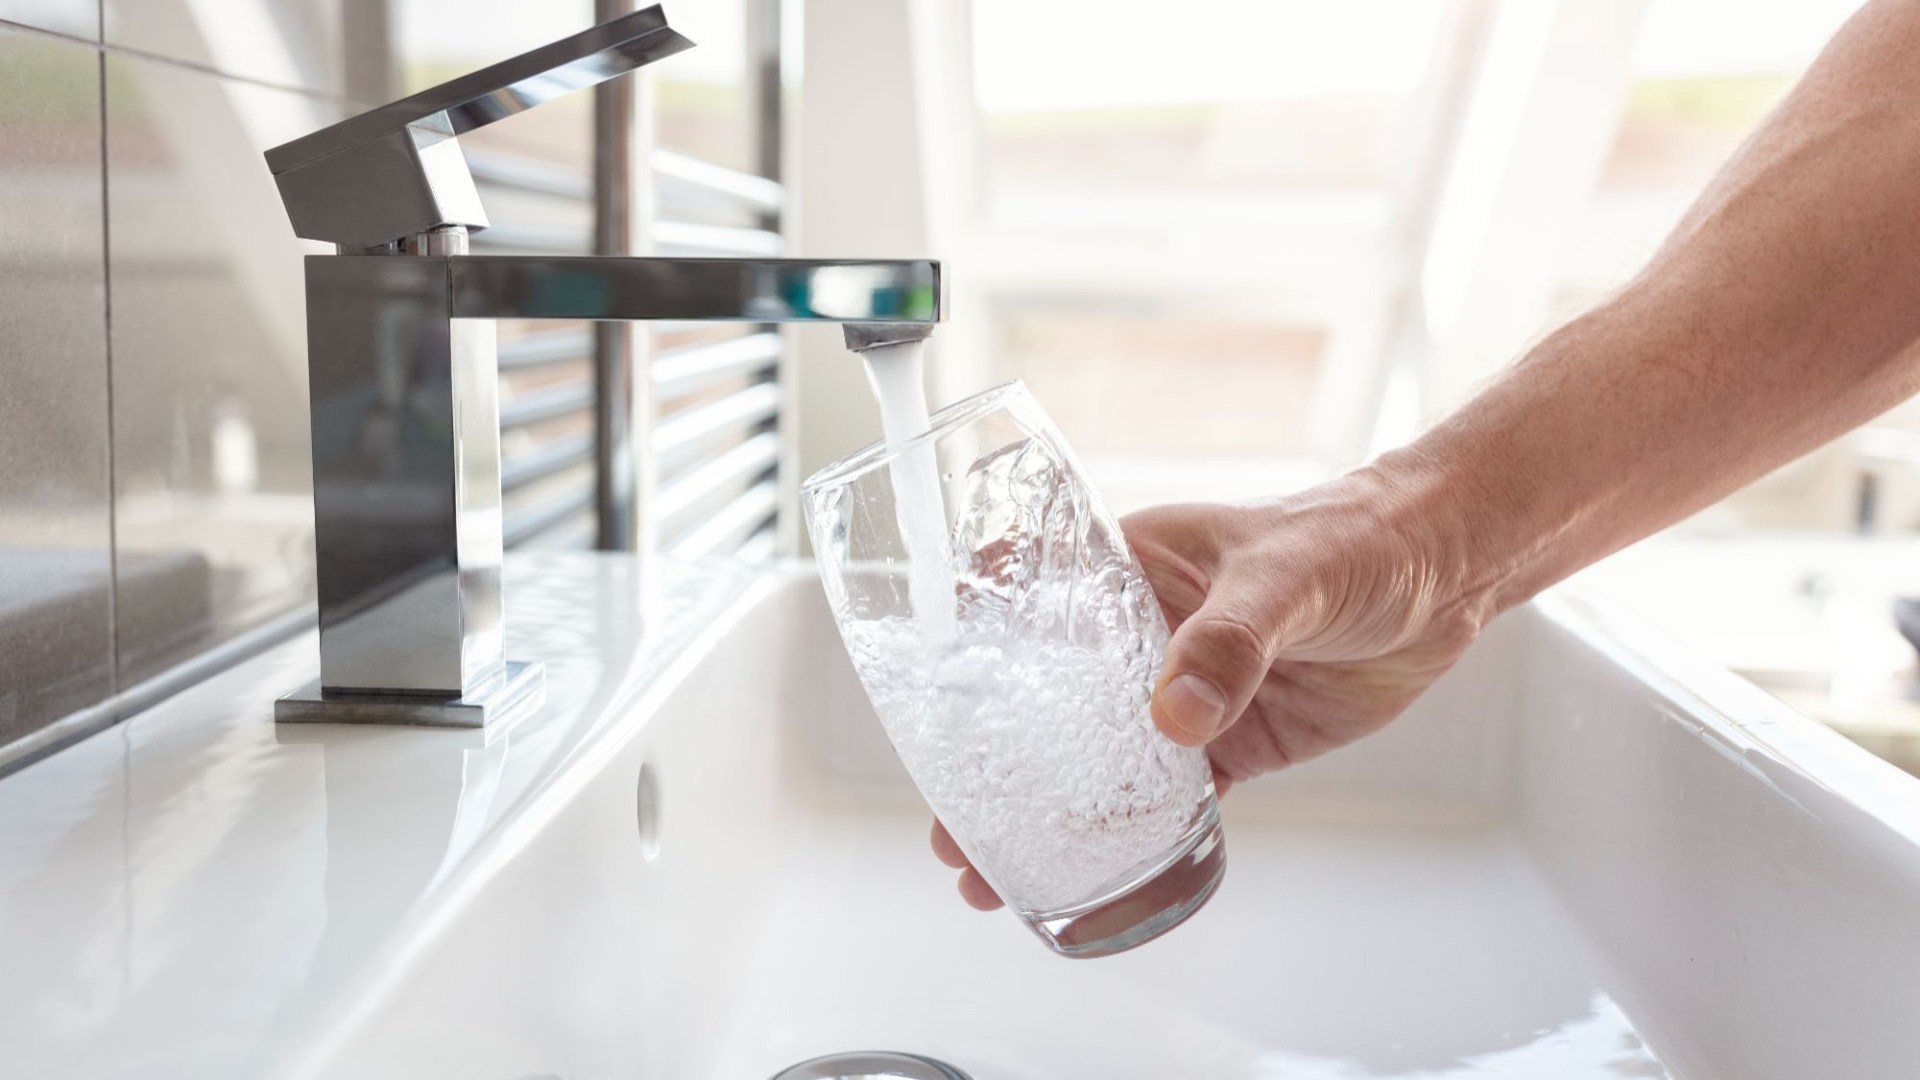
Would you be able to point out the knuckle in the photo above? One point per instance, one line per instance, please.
(1234, 638)
(1454, 631)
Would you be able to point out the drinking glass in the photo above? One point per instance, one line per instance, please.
(1012, 667)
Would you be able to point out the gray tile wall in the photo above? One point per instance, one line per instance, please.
(214, 527)
(154, 475)
(56, 649)
(80, 18)
(290, 43)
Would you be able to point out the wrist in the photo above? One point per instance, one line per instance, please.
(1436, 513)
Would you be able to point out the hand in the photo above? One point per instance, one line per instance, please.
(1298, 626)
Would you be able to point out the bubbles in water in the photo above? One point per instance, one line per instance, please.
(1017, 691)
(1028, 729)
(1037, 754)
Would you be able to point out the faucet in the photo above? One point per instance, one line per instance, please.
(403, 373)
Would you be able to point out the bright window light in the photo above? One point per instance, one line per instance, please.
(1068, 54)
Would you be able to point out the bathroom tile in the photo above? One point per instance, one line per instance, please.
(55, 532)
(293, 43)
(212, 484)
(81, 18)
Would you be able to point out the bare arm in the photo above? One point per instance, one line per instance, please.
(1784, 310)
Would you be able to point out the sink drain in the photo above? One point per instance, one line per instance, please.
(873, 1065)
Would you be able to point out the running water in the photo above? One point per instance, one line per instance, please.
(897, 373)
(1016, 692)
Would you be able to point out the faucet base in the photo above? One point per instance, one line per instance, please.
(523, 683)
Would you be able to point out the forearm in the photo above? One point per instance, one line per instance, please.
(1783, 311)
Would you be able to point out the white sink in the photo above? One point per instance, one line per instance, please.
(1579, 856)
(1806, 616)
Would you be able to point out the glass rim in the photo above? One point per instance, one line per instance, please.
(944, 422)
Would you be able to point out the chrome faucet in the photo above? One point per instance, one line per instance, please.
(403, 372)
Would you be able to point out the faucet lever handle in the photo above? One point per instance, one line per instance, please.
(394, 171)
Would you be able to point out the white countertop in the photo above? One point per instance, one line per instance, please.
(189, 893)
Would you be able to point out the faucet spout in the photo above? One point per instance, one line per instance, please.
(902, 292)
(873, 335)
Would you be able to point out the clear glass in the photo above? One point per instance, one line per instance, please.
(1022, 712)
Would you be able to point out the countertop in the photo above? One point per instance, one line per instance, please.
(192, 892)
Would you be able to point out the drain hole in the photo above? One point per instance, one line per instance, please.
(647, 798)
(873, 1065)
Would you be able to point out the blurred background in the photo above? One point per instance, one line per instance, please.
(1240, 247)
(1233, 247)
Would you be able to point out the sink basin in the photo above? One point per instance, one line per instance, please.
(1808, 617)
(1584, 854)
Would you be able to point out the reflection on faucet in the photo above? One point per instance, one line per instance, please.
(727, 290)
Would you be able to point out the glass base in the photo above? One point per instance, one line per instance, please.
(1139, 913)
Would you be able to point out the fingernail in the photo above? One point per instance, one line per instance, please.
(1194, 705)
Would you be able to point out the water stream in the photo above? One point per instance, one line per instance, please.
(897, 375)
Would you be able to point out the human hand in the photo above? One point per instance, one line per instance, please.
(1298, 625)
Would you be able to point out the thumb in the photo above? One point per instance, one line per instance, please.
(1215, 661)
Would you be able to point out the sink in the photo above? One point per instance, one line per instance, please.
(1584, 854)
(1805, 616)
